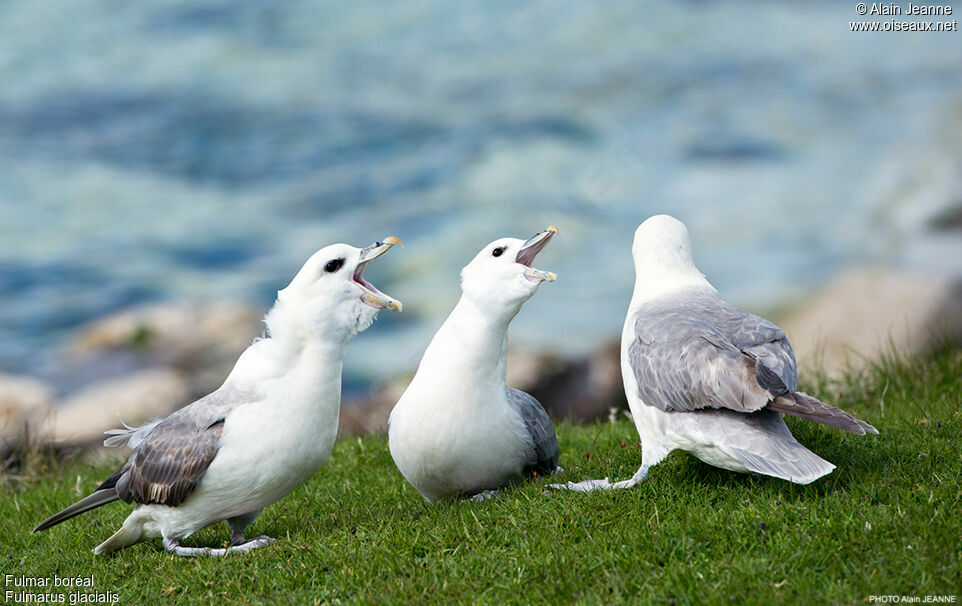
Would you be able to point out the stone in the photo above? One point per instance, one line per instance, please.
(135, 399)
(579, 389)
(865, 312)
(368, 413)
(24, 404)
(201, 340)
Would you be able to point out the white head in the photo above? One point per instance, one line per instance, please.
(662, 255)
(500, 277)
(330, 296)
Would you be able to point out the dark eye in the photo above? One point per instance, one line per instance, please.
(497, 251)
(333, 265)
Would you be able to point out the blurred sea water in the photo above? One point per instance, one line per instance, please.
(202, 150)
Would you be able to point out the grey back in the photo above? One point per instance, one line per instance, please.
(693, 350)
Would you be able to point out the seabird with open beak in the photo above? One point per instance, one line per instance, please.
(259, 436)
(459, 430)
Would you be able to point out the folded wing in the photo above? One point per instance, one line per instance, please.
(693, 350)
(543, 457)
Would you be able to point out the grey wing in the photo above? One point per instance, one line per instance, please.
(693, 350)
(768, 344)
(543, 458)
(172, 458)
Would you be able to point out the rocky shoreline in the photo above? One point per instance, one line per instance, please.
(146, 362)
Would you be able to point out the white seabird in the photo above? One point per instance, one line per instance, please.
(259, 436)
(458, 429)
(703, 377)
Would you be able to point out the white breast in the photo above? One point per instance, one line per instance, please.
(445, 447)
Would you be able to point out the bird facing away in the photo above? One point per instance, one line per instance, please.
(459, 430)
(263, 433)
(703, 377)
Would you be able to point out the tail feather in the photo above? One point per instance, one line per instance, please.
(804, 406)
(801, 466)
(765, 445)
(92, 501)
(132, 436)
(128, 534)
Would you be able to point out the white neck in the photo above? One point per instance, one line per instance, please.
(651, 283)
(293, 333)
(471, 346)
(292, 347)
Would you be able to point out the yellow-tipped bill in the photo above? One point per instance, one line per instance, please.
(530, 249)
(382, 301)
(372, 296)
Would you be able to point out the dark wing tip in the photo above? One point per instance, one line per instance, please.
(47, 524)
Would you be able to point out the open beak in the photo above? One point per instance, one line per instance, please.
(530, 249)
(372, 296)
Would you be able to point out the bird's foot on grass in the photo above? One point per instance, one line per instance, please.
(588, 485)
(174, 547)
(484, 495)
(252, 544)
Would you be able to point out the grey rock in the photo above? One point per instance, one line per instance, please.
(134, 399)
(24, 404)
(368, 413)
(864, 312)
(200, 340)
(580, 388)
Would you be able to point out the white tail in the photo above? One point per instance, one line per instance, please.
(125, 537)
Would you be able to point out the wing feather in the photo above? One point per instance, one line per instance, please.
(692, 350)
(171, 459)
(544, 443)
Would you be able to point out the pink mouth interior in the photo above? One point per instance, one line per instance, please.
(526, 255)
(358, 278)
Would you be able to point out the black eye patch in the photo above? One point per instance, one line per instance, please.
(333, 265)
(497, 252)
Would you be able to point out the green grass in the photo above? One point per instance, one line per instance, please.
(885, 522)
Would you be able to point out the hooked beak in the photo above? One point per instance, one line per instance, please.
(530, 249)
(372, 296)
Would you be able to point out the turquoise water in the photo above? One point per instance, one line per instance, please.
(203, 150)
